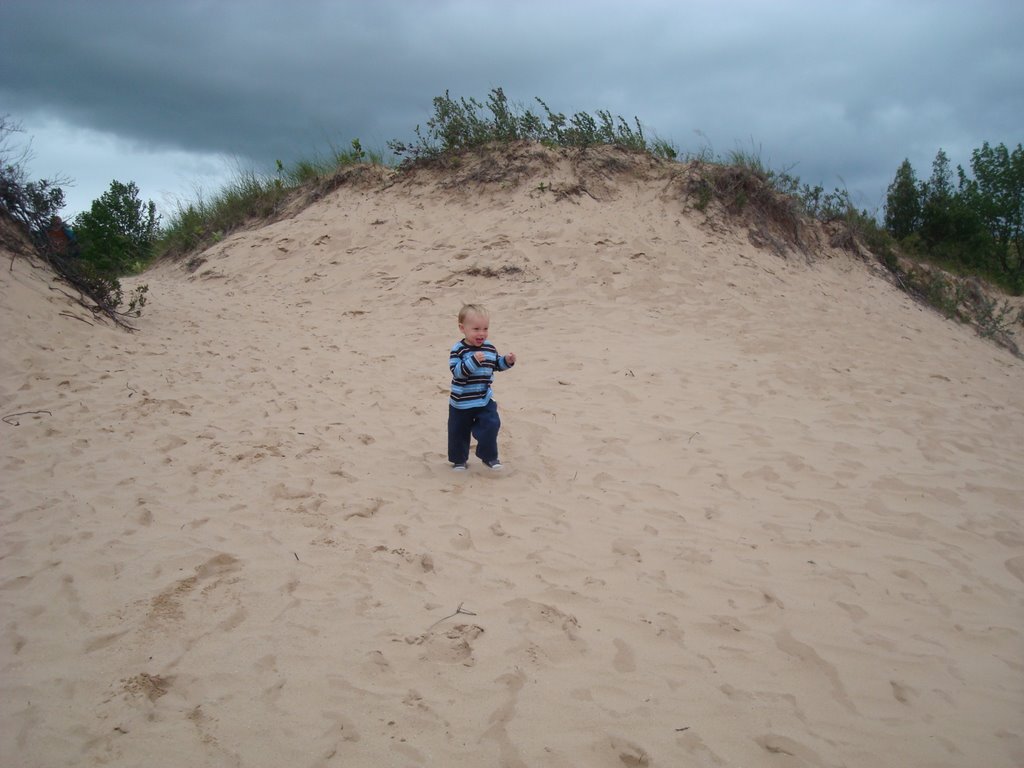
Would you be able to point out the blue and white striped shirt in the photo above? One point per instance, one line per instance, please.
(471, 381)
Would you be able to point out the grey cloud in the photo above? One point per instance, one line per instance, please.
(841, 91)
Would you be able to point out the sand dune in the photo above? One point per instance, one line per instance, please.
(758, 509)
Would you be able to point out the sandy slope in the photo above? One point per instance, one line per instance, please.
(757, 511)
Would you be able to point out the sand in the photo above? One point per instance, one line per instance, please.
(757, 509)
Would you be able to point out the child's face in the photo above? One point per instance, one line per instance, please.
(474, 329)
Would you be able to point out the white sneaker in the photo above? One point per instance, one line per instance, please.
(493, 464)
(460, 467)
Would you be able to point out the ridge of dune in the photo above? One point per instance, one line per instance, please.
(759, 509)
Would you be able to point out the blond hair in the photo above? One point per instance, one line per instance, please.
(472, 309)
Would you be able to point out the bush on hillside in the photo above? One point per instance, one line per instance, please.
(35, 206)
(32, 203)
(117, 233)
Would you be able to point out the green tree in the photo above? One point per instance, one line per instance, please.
(117, 233)
(996, 195)
(937, 202)
(903, 203)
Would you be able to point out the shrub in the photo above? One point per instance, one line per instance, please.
(32, 203)
(117, 233)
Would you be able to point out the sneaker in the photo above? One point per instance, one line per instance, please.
(493, 464)
(460, 467)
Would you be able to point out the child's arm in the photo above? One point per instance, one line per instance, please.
(506, 361)
(464, 365)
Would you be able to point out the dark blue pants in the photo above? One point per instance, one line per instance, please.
(482, 423)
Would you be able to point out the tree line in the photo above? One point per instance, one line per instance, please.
(971, 222)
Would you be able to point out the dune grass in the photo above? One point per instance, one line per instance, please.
(459, 124)
(250, 196)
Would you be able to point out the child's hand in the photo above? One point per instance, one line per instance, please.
(479, 356)
(511, 358)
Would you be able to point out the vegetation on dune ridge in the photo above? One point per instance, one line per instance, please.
(460, 124)
(936, 240)
(251, 196)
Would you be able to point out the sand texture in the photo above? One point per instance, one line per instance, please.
(759, 507)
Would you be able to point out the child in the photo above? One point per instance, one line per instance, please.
(471, 411)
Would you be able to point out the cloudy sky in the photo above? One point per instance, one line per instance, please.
(178, 95)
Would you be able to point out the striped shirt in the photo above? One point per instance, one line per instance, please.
(471, 381)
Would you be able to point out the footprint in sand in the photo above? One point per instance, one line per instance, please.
(694, 745)
(168, 443)
(1015, 565)
(901, 692)
(782, 745)
(168, 605)
(629, 753)
(811, 661)
(503, 715)
(462, 539)
(549, 633)
(625, 660)
(626, 549)
(150, 686)
(454, 646)
(367, 509)
(103, 641)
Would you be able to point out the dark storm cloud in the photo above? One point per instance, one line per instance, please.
(236, 78)
(839, 93)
